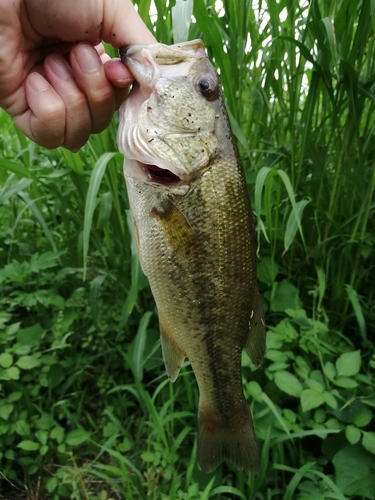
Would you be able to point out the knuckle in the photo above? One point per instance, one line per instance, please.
(78, 102)
(101, 95)
(48, 127)
(53, 112)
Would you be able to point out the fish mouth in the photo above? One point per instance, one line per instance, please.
(159, 175)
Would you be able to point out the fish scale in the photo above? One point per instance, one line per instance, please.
(196, 238)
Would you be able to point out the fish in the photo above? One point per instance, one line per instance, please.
(194, 229)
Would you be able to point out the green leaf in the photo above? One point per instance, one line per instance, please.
(46, 260)
(259, 185)
(32, 206)
(297, 216)
(330, 32)
(6, 360)
(181, 20)
(14, 396)
(354, 300)
(314, 384)
(320, 416)
(294, 220)
(76, 437)
(22, 350)
(311, 398)
(105, 209)
(13, 373)
(148, 456)
(237, 131)
(205, 495)
(373, 14)
(28, 362)
(58, 433)
(288, 383)
(91, 198)
(43, 449)
(51, 484)
(330, 399)
(12, 329)
(267, 270)
(125, 446)
(9, 454)
(353, 434)
(45, 422)
(138, 279)
(31, 335)
(110, 429)
(362, 417)
(284, 296)
(28, 445)
(330, 371)
(42, 436)
(230, 490)
(213, 38)
(5, 410)
(254, 390)
(349, 364)
(355, 471)
(17, 168)
(22, 428)
(8, 191)
(368, 441)
(61, 448)
(138, 345)
(346, 382)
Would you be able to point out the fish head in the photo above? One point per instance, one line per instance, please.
(167, 128)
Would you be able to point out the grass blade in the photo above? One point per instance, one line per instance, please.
(181, 20)
(91, 199)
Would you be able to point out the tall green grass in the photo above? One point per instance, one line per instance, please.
(302, 89)
(86, 410)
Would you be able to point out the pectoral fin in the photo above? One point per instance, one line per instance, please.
(256, 340)
(172, 355)
(177, 229)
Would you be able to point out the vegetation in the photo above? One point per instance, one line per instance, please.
(86, 410)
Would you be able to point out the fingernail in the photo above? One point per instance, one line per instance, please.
(87, 58)
(124, 81)
(38, 82)
(60, 67)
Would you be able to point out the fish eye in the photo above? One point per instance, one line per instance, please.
(208, 88)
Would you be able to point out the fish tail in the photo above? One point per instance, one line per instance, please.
(235, 443)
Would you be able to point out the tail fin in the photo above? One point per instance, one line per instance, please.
(237, 444)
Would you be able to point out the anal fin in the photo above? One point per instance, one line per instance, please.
(255, 345)
(172, 355)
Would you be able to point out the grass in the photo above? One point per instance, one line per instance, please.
(86, 410)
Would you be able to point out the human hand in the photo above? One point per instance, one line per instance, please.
(56, 81)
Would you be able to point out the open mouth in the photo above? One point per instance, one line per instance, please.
(160, 175)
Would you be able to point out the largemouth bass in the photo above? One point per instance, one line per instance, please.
(195, 235)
